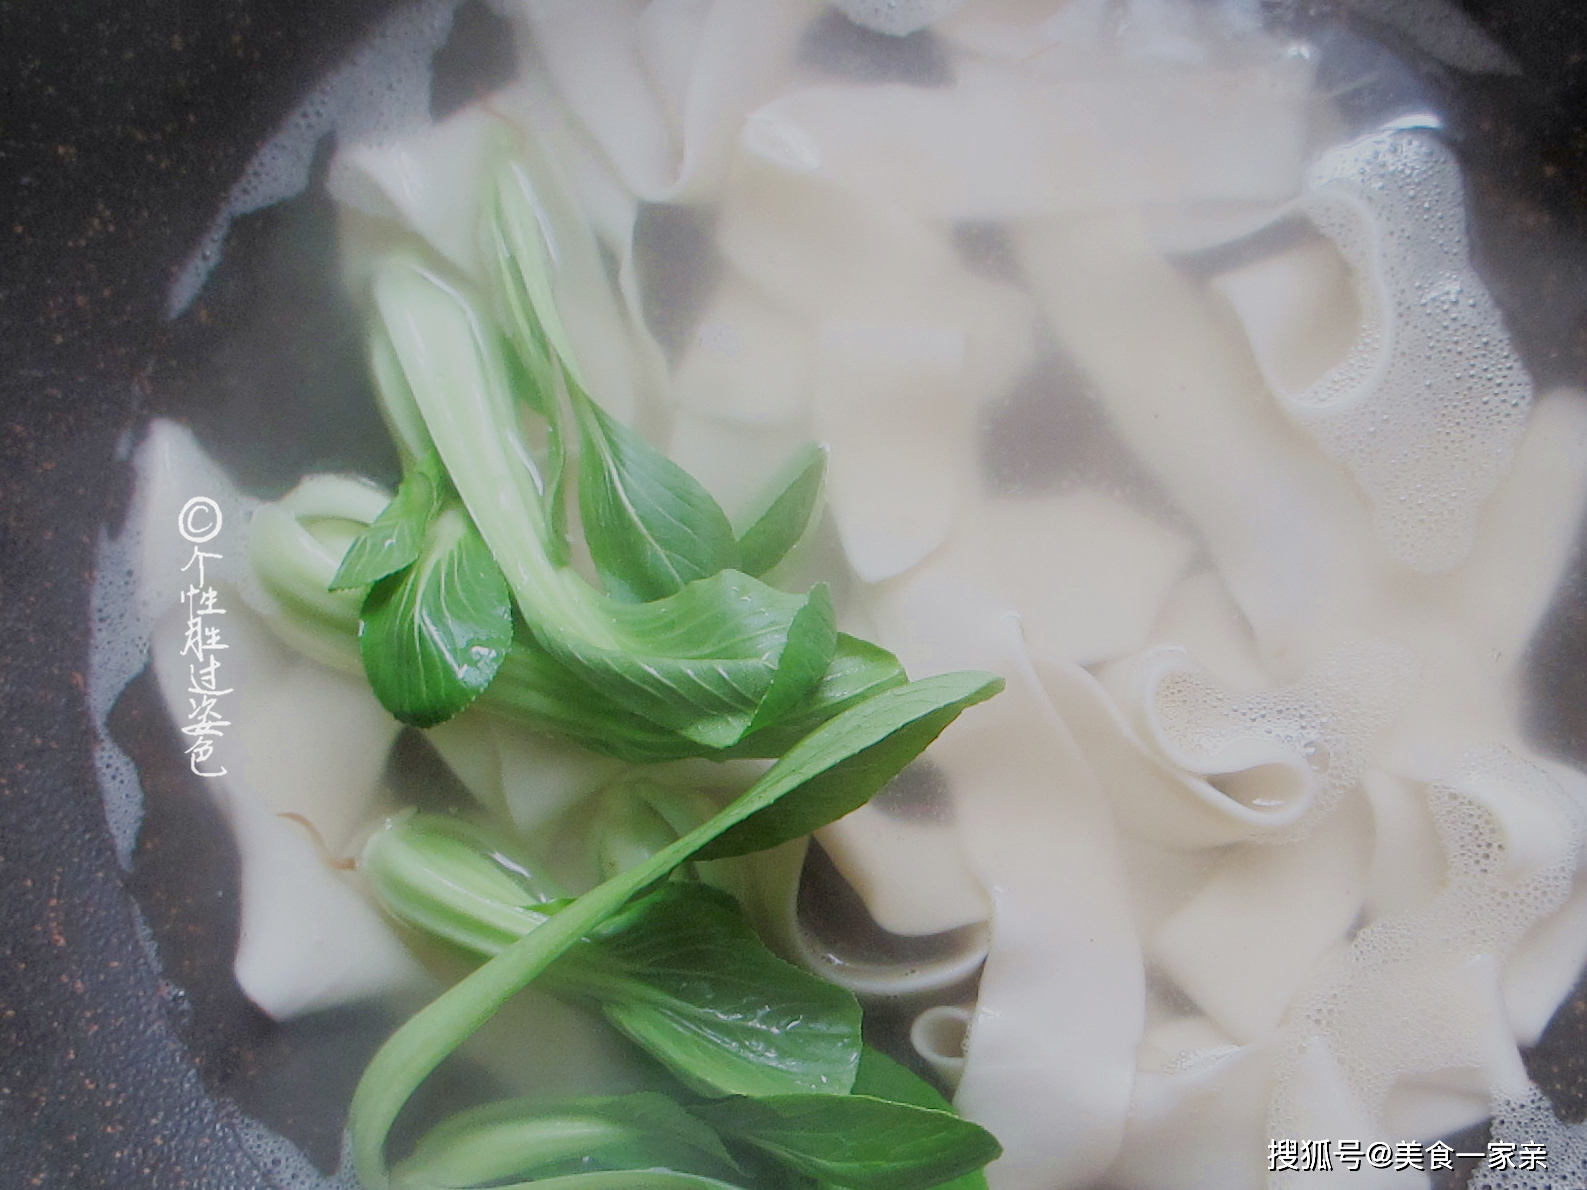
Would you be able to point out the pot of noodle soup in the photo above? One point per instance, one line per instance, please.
(465, 447)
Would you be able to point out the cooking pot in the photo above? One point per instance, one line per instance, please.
(128, 1058)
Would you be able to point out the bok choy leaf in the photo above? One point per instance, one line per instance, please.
(680, 971)
(699, 662)
(651, 528)
(434, 634)
(786, 516)
(856, 1141)
(863, 743)
(528, 1139)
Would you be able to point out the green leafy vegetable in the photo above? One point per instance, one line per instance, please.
(394, 539)
(840, 765)
(514, 241)
(778, 528)
(636, 817)
(681, 651)
(858, 671)
(882, 1078)
(679, 971)
(807, 652)
(698, 662)
(855, 1140)
(842, 744)
(456, 880)
(683, 975)
(397, 406)
(650, 526)
(434, 635)
(522, 1139)
(547, 695)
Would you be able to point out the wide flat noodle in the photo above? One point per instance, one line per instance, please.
(907, 345)
(748, 361)
(1187, 403)
(527, 778)
(1008, 141)
(1284, 526)
(1418, 994)
(307, 939)
(1088, 573)
(1050, 1059)
(910, 873)
(428, 179)
(1241, 946)
(664, 87)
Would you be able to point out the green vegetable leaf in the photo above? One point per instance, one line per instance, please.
(458, 881)
(856, 1141)
(650, 526)
(453, 366)
(870, 728)
(841, 764)
(679, 971)
(514, 244)
(553, 465)
(858, 670)
(778, 528)
(513, 235)
(397, 406)
(531, 1139)
(685, 977)
(536, 688)
(699, 662)
(601, 1179)
(882, 1078)
(393, 540)
(433, 636)
(807, 652)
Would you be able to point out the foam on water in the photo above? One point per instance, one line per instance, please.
(1418, 991)
(1327, 723)
(1529, 1119)
(1429, 405)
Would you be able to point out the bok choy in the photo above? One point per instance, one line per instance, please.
(673, 645)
